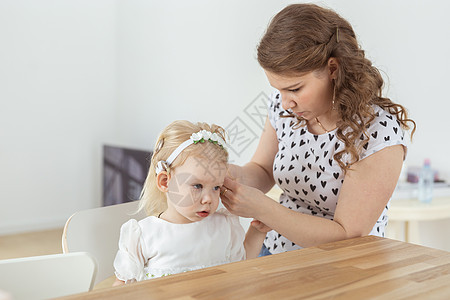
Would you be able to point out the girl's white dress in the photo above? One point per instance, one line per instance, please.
(154, 247)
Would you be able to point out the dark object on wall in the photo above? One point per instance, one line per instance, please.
(124, 173)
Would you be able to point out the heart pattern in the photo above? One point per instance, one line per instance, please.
(305, 169)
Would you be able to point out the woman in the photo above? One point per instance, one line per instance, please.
(331, 141)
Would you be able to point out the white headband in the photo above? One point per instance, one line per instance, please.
(198, 137)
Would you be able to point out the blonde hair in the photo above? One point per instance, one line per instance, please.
(300, 39)
(152, 200)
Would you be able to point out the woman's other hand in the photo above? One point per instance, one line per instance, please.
(260, 226)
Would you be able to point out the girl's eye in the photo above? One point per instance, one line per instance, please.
(294, 90)
(198, 186)
(217, 188)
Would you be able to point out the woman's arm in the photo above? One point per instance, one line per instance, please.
(365, 192)
(258, 172)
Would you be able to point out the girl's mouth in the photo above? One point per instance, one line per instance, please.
(203, 214)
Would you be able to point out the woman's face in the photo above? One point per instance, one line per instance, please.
(308, 96)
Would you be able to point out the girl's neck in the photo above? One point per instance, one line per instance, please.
(174, 217)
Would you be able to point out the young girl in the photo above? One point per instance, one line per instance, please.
(181, 194)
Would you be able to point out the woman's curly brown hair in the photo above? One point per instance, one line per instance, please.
(302, 38)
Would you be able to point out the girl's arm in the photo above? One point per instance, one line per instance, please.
(258, 172)
(255, 238)
(365, 192)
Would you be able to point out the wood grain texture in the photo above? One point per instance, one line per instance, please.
(31, 244)
(360, 268)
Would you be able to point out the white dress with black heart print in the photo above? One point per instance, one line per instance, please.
(304, 167)
(153, 247)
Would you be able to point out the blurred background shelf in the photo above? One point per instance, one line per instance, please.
(407, 190)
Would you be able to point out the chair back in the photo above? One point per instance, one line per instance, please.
(47, 276)
(97, 231)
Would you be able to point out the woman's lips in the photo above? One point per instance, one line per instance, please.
(203, 214)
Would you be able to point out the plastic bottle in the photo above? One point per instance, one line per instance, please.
(426, 180)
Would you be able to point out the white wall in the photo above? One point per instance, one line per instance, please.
(190, 60)
(58, 105)
(119, 71)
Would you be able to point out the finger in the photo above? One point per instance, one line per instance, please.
(225, 197)
(227, 205)
(255, 222)
(257, 225)
(230, 183)
(224, 191)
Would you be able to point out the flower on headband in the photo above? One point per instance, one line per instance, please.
(206, 134)
(197, 137)
(203, 135)
(214, 138)
(200, 136)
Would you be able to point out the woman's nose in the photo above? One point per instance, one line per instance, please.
(287, 102)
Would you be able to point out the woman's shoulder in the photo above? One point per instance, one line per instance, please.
(383, 131)
(381, 112)
(385, 121)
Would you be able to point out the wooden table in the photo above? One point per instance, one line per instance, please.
(361, 268)
(405, 215)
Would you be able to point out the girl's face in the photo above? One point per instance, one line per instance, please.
(308, 96)
(194, 190)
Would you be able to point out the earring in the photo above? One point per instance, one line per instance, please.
(333, 107)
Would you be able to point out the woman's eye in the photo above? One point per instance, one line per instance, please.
(217, 188)
(198, 186)
(294, 90)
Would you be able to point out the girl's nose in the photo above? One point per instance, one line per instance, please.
(207, 198)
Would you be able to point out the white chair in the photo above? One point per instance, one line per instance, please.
(47, 276)
(97, 231)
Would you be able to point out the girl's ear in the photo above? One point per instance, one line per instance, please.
(162, 181)
(333, 65)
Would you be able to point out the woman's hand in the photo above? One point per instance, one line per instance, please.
(240, 199)
(235, 172)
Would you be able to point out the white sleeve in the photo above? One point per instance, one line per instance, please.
(384, 131)
(237, 236)
(129, 261)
